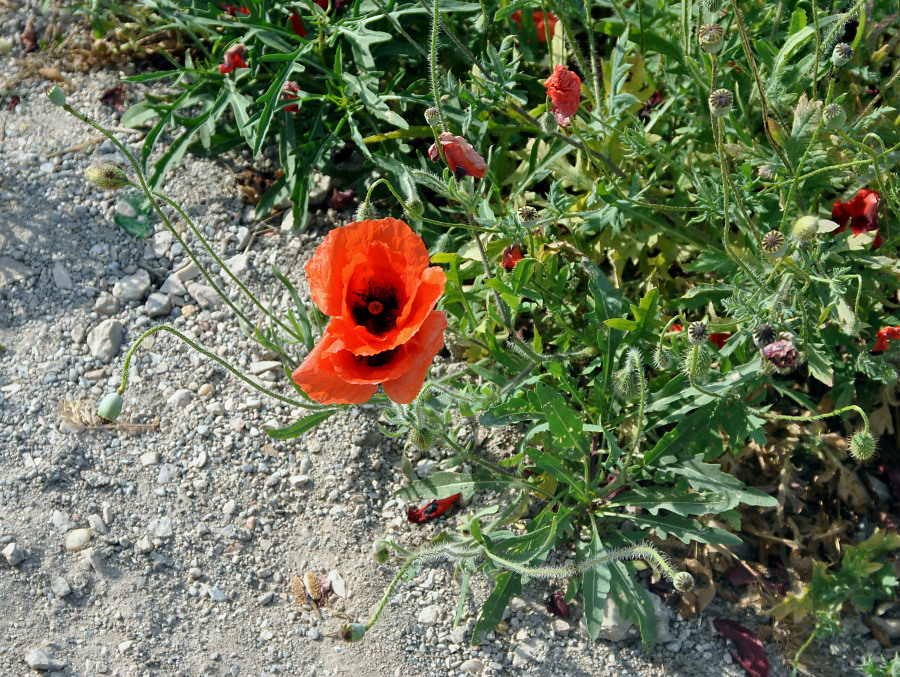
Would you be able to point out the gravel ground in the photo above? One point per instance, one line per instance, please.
(169, 548)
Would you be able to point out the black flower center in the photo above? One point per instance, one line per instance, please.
(376, 308)
(378, 359)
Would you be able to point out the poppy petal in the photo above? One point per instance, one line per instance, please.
(421, 350)
(319, 379)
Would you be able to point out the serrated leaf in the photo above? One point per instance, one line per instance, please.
(565, 423)
(596, 584)
(683, 528)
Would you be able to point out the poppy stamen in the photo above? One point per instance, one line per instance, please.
(376, 308)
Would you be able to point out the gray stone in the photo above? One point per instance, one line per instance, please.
(180, 398)
(230, 507)
(14, 554)
(158, 304)
(12, 271)
(473, 666)
(162, 527)
(527, 650)
(237, 264)
(428, 616)
(39, 659)
(173, 285)
(218, 595)
(206, 296)
(314, 634)
(105, 339)
(560, 627)
(149, 458)
(265, 598)
(261, 367)
(62, 522)
(144, 545)
(97, 524)
(106, 304)
(132, 287)
(60, 587)
(166, 473)
(158, 245)
(614, 628)
(61, 277)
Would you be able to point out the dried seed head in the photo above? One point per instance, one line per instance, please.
(107, 176)
(683, 581)
(842, 54)
(527, 215)
(805, 229)
(432, 117)
(311, 583)
(696, 362)
(299, 590)
(783, 354)
(835, 116)
(698, 333)
(774, 244)
(720, 103)
(862, 446)
(110, 407)
(712, 38)
(763, 335)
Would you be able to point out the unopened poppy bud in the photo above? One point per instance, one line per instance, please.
(432, 117)
(107, 176)
(380, 552)
(842, 54)
(774, 244)
(862, 446)
(414, 207)
(625, 383)
(696, 362)
(720, 103)
(664, 359)
(110, 407)
(763, 335)
(698, 333)
(712, 38)
(548, 123)
(56, 95)
(835, 116)
(683, 581)
(805, 229)
(527, 215)
(353, 632)
(365, 211)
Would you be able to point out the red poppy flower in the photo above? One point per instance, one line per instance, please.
(231, 10)
(884, 335)
(538, 18)
(288, 92)
(861, 214)
(297, 25)
(719, 339)
(433, 509)
(234, 58)
(460, 154)
(564, 90)
(511, 256)
(373, 279)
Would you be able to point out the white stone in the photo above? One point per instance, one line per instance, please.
(206, 296)
(218, 595)
(614, 628)
(180, 398)
(428, 616)
(14, 554)
(158, 304)
(237, 264)
(105, 339)
(158, 245)
(230, 507)
(144, 545)
(149, 458)
(37, 659)
(473, 666)
(173, 285)
(261, 367)
(162, 527)
(60, 587)
(61, 277)
(12, 271)
(132, 287)
(77, 539)
(106, 304)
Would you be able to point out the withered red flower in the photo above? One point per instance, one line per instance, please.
(289, 91)
(231, 10)
(749, 651)
(511, 256)
(28, 37)
(564, 90)
(460, 154)
(884, 335)
(860, 213)
(234, 58)
(556, 605)
(297, 25)
(342, 199)
(373, 279)
(431, 510)
(538, 18)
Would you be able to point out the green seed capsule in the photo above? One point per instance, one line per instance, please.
(720, 103)
(842, 54)
(107, 176)
(56, 95)
(835, 116)
(110, 407)
(711, 37)
(353, 632)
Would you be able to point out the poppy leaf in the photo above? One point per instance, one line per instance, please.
(270, 100)
(132, 215)
(565, 423)
(297, 428)
(595, 586)
(508, 584)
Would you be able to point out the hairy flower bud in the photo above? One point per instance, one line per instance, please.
(835, 116)
(548, 123)
(862, 446)
(698, 333)
(712, 38)
(805, 229)
(625, 383)
(432, 117)
(527, 215)
(696, 362)
(683, 581)
(365, 211)
(414, 207)
(774, 244)
(56, 95)
(353, 632)
(664, 359)
(763, 335)
(842, 54)
(720, 103)
(107, 176)
(110, 407)
(380, 552)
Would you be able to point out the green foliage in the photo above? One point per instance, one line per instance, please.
(871, 668)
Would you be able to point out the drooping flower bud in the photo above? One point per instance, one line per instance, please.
(835, 116)
(527, 215)
(107, 176)
(664, 359)
(698, 333)
(432, 117)
(720, 103)
(380, 552)
(842, 54)
(414, 207)
(110, 407)
(712, 38)
(774, 244)
(862, 446)
(365, 211)
(353, 632)
(805, 229)
(696, 362)
(56, 95)
(763, 335)
(548, 123)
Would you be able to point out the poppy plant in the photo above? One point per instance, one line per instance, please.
(460, 154)
(884, 335)
(538, 18)
(564, 90)
(860, 214)
(432, 510)
(373, 279)
(234, 58)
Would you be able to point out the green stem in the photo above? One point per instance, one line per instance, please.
(816, 417)
(433, 66)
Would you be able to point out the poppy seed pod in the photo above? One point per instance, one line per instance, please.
(805, 229)
(712, 38)
(527, 215)
(432, 116)
(862, 446)
(842, 54)
(110, 407)
(720, 103)
(56, 95)
(835, 116)
(683, 581)
(107, 176)
(763, 335)
(353, 632)
(698, 333)
(774, 244)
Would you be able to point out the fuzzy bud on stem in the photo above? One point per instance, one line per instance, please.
(107, 176)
